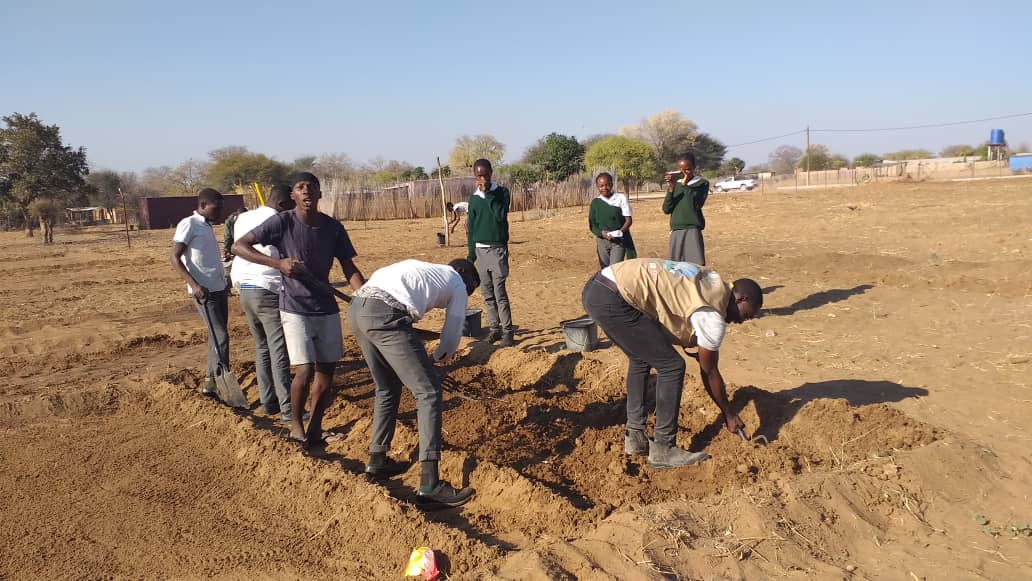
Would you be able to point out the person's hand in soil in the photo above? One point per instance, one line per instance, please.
(733, 423)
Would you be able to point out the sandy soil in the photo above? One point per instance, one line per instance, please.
(890, 373)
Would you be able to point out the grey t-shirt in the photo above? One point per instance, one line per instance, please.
(317, 247)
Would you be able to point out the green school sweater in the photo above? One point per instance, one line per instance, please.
(487, 220)
(602, 216)
(684, 204)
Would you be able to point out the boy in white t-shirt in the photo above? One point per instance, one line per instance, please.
(457, 211)
(259, 288)
(197, 259)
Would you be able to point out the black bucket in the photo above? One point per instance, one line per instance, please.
(441, 240)
(581, 334)
(471, 327)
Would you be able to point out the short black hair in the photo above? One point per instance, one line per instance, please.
(687, 156)
(304, 176)
(449, 206)
(748, 288)
(279, 196)
(482, 163)
(467, 271)
(605, 174)
(209, 196)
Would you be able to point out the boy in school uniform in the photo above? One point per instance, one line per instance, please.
(197, 260)
(259, 287)
(309, 242)
(381, 316)
(487, 224)
(457, 210)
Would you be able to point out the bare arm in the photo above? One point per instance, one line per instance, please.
(177, 262)
(244, 248)
(714, 383)
(626, 224)
(352, 274)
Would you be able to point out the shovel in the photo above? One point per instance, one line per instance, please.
(325, 287)
(756, 441)
(226, 385)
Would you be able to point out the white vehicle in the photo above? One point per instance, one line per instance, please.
(735, 183)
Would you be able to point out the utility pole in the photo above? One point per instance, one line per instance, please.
(807, 155)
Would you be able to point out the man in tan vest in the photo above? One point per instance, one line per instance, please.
(648, 305)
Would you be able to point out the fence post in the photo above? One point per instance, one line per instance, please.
(444, 202)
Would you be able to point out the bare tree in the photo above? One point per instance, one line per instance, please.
(784, 159)
(468, 149)
(668, 133)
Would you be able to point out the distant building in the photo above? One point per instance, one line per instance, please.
(1021, 162)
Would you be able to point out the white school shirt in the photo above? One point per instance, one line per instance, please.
(481, 194)
(203, 257)
(707, 323)
(422, 286)
(461, 207)
(618, 200)
(250, 274)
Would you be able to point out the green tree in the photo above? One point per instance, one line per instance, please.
(234, 166)
(468, 149)
(784, 159)
(35, 163)
(445, 170)
(669, 134)
(958, 151)
(633, 159)
(819, 159)
(303, 163)
(906, 154)
(521, 174)
(866, 160)
(414, 173)
(559, 156)
(709, 152)
(104, 186)
(733, 166)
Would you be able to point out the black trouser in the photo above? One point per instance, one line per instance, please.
(647, 347)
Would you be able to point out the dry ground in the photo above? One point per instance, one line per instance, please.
(890, 372)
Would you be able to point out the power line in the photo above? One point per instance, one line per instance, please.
(800, 132)
(926, 126)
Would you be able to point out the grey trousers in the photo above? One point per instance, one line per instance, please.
(493, 267)
(609, 252)
(396, 356)
(687, 246)
(215, 308)
(271, 363)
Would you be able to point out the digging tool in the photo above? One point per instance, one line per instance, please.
(756, 441)
(226, 385)
(325, 287)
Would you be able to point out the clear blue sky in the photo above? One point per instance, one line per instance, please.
(143, 84)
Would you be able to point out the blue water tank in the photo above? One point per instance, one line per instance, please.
(996, 137)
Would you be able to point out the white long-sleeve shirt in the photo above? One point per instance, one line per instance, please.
(422, 286)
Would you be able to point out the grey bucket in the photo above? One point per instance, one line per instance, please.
(581, 334)
(471, 327)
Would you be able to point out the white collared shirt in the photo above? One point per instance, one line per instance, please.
(244, 272)
(422, 286)
(203, 257)
(618, 200)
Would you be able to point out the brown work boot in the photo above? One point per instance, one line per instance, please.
(662, 456)
(507, 340)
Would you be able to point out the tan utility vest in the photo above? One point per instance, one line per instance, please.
(657, 289)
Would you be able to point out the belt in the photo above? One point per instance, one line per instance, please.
(602, 280)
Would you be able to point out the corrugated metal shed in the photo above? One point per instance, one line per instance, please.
(1021, 162)
(166, 212)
